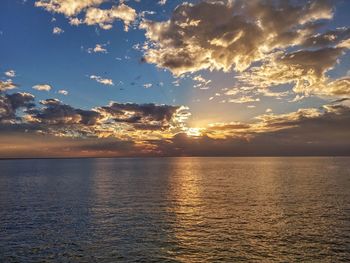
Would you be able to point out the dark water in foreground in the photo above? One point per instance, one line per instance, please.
(175, 210)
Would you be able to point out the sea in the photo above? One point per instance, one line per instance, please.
(264, 209)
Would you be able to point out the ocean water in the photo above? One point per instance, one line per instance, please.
(175, 210)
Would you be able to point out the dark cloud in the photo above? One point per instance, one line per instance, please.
(139, 111)
(10, 103)
(123, 121)
(328, 38)
(317, 61)
(54, 112)
(141, 116)
(157, 130)
(300, 134)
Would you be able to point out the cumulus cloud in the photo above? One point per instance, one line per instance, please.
(67, 7)
(99, 48)
(108, 82)
(267, 43)
(93, 15)
(58, 116)
(10, 73)
(105, 17)
(305, 69)
(10, 103)
(125, 121)
(57, 30)
(226, 35)
(63, 92)
(42, 87)
(7, 85)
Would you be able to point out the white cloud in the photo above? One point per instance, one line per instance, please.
(63, 92)
(201, 82)
(244, 99)
(99, 48)
(92, 14)
(105, 17)
(57, 30)
(42, 87)
(67, 7)
(10, 73)
(148, 85)
(74, 21)
(108, 82)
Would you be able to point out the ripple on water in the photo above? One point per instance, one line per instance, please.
(175, 210)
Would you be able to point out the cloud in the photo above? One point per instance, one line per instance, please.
(305, 132)
(266, 43)
(57, 30)
(7, 85)
(147, 85)
(201, 82)
(93, 15)
(63, 92)
(329, 38)
(29, 145)
(74, 21)
(243, 99)
(229, 35)
(56, 113)
(305, 69)
(99, 48)
(105, 17)
(10, 103)
(10, 73)
(152, 130)
(124, 121)
(108, 82)
(67, 7)
(42, 87)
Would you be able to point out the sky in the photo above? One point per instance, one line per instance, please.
(105, 78)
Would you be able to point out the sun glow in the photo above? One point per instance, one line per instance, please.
(194, 132)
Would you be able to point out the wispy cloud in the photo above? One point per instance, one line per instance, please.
(63, 92)
(42, 87)
(104, 81)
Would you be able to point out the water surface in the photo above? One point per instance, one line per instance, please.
(175, 210)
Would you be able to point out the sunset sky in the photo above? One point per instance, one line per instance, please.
(84, 78)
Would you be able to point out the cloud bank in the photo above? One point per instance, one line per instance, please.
(266, 43)
(130, 129)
